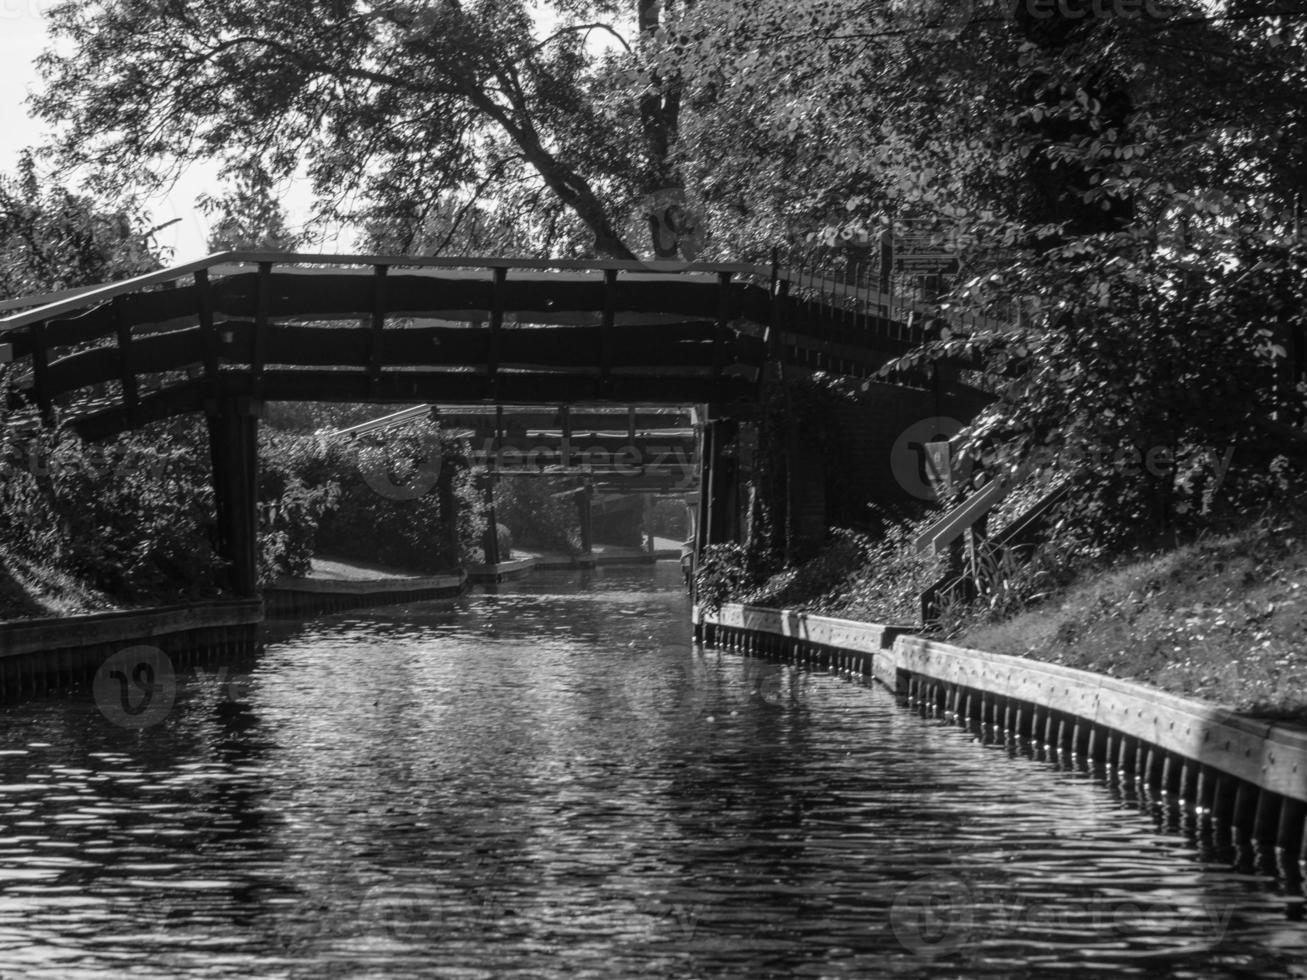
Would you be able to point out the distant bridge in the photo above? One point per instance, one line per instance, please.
(628, 449)
(621, 454)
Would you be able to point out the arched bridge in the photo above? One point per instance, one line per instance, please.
(225, 333)
(623, 448)
(402, 329)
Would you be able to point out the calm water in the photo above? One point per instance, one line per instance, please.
(551, 782)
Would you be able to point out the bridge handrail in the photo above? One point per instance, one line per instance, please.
(955, 521)
(61, 302)
(385, 421)
(49, 305)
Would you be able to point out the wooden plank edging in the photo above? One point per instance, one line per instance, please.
(37, 635)
(846, 634)
(1270, 755)
(363, 587)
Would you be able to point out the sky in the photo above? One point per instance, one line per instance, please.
(22, 39)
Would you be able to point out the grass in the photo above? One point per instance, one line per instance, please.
(28, 591)
(1221, 619)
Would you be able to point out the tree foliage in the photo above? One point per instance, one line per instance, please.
(1122, 183)
(249, 216)
(52, 238)
(1121, 191)
(409, 117)
(367, 521)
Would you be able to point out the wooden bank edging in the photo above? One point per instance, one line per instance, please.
(26, 636)
(1245, 775)
(1271, 756)
(292, 598)
(40, 654)
(516, 568)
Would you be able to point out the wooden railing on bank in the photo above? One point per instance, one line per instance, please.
(974, 556)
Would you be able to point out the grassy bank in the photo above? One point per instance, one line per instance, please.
(1223, 619)
(29, 590)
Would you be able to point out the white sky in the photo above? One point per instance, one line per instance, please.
(23, 38)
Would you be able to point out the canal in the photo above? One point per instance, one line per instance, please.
(548, 780)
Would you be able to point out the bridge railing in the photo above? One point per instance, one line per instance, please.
(963, 532)
(33, 309)
(199, 322)
(544, 441)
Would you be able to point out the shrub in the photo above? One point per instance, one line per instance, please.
(372, 521)
(530, 506)
(132, 517)
(296, 490)
(729, 572)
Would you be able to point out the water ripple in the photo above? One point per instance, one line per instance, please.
(548, 781)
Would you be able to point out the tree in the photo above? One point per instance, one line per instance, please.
(1121, 191)
(395, 110)
(52, 239)
(249, 217)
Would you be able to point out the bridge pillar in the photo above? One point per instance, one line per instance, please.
(490, 540)
(449, 509)
(719, 522)
(585, 517)
(234, 450)
(806, 503)
(646, 523)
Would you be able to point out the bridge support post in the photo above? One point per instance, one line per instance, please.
(585, 516)
(449, 511)
(719, 515)
(490, 540)
(646, 523)
(234, 450)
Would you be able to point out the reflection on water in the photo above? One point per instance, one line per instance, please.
(549, 781)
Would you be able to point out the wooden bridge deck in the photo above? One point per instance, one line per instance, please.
(271, 326)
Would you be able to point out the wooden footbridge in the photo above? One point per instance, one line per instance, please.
(228, 332)
(631, 449)
(618, 456)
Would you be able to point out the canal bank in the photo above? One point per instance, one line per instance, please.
(43, 653)
(38, 655)
(1244, 779)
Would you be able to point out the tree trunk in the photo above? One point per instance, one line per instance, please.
(660, 110)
